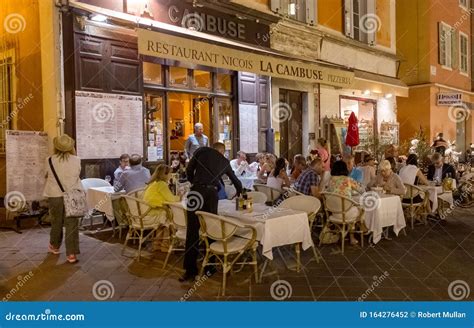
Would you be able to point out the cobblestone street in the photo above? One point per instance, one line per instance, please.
(419, 266)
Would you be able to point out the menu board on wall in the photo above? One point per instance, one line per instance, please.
(248, 116)
(389, 133)
(26, 155)
(108, 125)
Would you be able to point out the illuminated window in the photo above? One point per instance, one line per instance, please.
(202, 80)
(224, 83)
(179, 77)
(152, 73)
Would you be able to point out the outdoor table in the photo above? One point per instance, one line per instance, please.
(388, 213)
(275, 226)
(247, 181)
(100, 199)
(436, 192)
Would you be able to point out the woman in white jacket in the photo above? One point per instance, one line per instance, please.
(68, 170)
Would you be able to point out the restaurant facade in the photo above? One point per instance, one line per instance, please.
(183, 64)
(135, 76)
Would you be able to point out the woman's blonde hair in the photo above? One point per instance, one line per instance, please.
(160, 174)
(385, 166)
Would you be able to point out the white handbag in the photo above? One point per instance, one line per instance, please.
(74, 200)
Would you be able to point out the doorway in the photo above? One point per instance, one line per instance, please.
(185, 110)
(291, 124)
(461, 135)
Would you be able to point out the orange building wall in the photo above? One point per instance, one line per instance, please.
(452, 14)
(330, 14)
(384, 33)
(27, 48)
(413, 41)
(413, 112)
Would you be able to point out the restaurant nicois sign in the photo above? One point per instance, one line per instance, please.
(202, 53)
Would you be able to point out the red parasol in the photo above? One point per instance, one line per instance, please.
(352, 137)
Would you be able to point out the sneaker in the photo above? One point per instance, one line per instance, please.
(53, 250)
(72, 258)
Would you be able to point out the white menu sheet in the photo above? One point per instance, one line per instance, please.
(26, 155)
(248, 116)
(108, 125)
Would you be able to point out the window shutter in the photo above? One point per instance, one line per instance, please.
(441, 43)
(454, 49)
(311, 14)
(372, 22)
(348, 16)
(276, 6)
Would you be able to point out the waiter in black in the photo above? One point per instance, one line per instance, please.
(204, 171)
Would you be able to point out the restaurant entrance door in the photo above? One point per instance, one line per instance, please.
(185, 110)
(291, 124)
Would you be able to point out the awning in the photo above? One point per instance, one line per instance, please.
(379, 84)
(176, 43)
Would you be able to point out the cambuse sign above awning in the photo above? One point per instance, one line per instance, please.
(201, 53)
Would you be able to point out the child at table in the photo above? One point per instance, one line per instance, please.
(156, 193)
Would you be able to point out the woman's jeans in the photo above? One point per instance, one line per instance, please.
(58, 220)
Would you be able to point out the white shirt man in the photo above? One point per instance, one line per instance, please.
(240, 164)
(124, 165)
(196, 140)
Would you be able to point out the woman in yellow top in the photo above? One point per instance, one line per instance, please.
(155, 195)
(157, 191)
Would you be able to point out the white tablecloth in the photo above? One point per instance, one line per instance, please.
(275, 226)
(100, 199)
(247, 182)
(388, 213)
(436, 192)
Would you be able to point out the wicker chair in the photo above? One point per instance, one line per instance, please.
(272, 193)
(144, 221)
(226, 244)
(340, 213)
(178, 225)
(415, 210)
